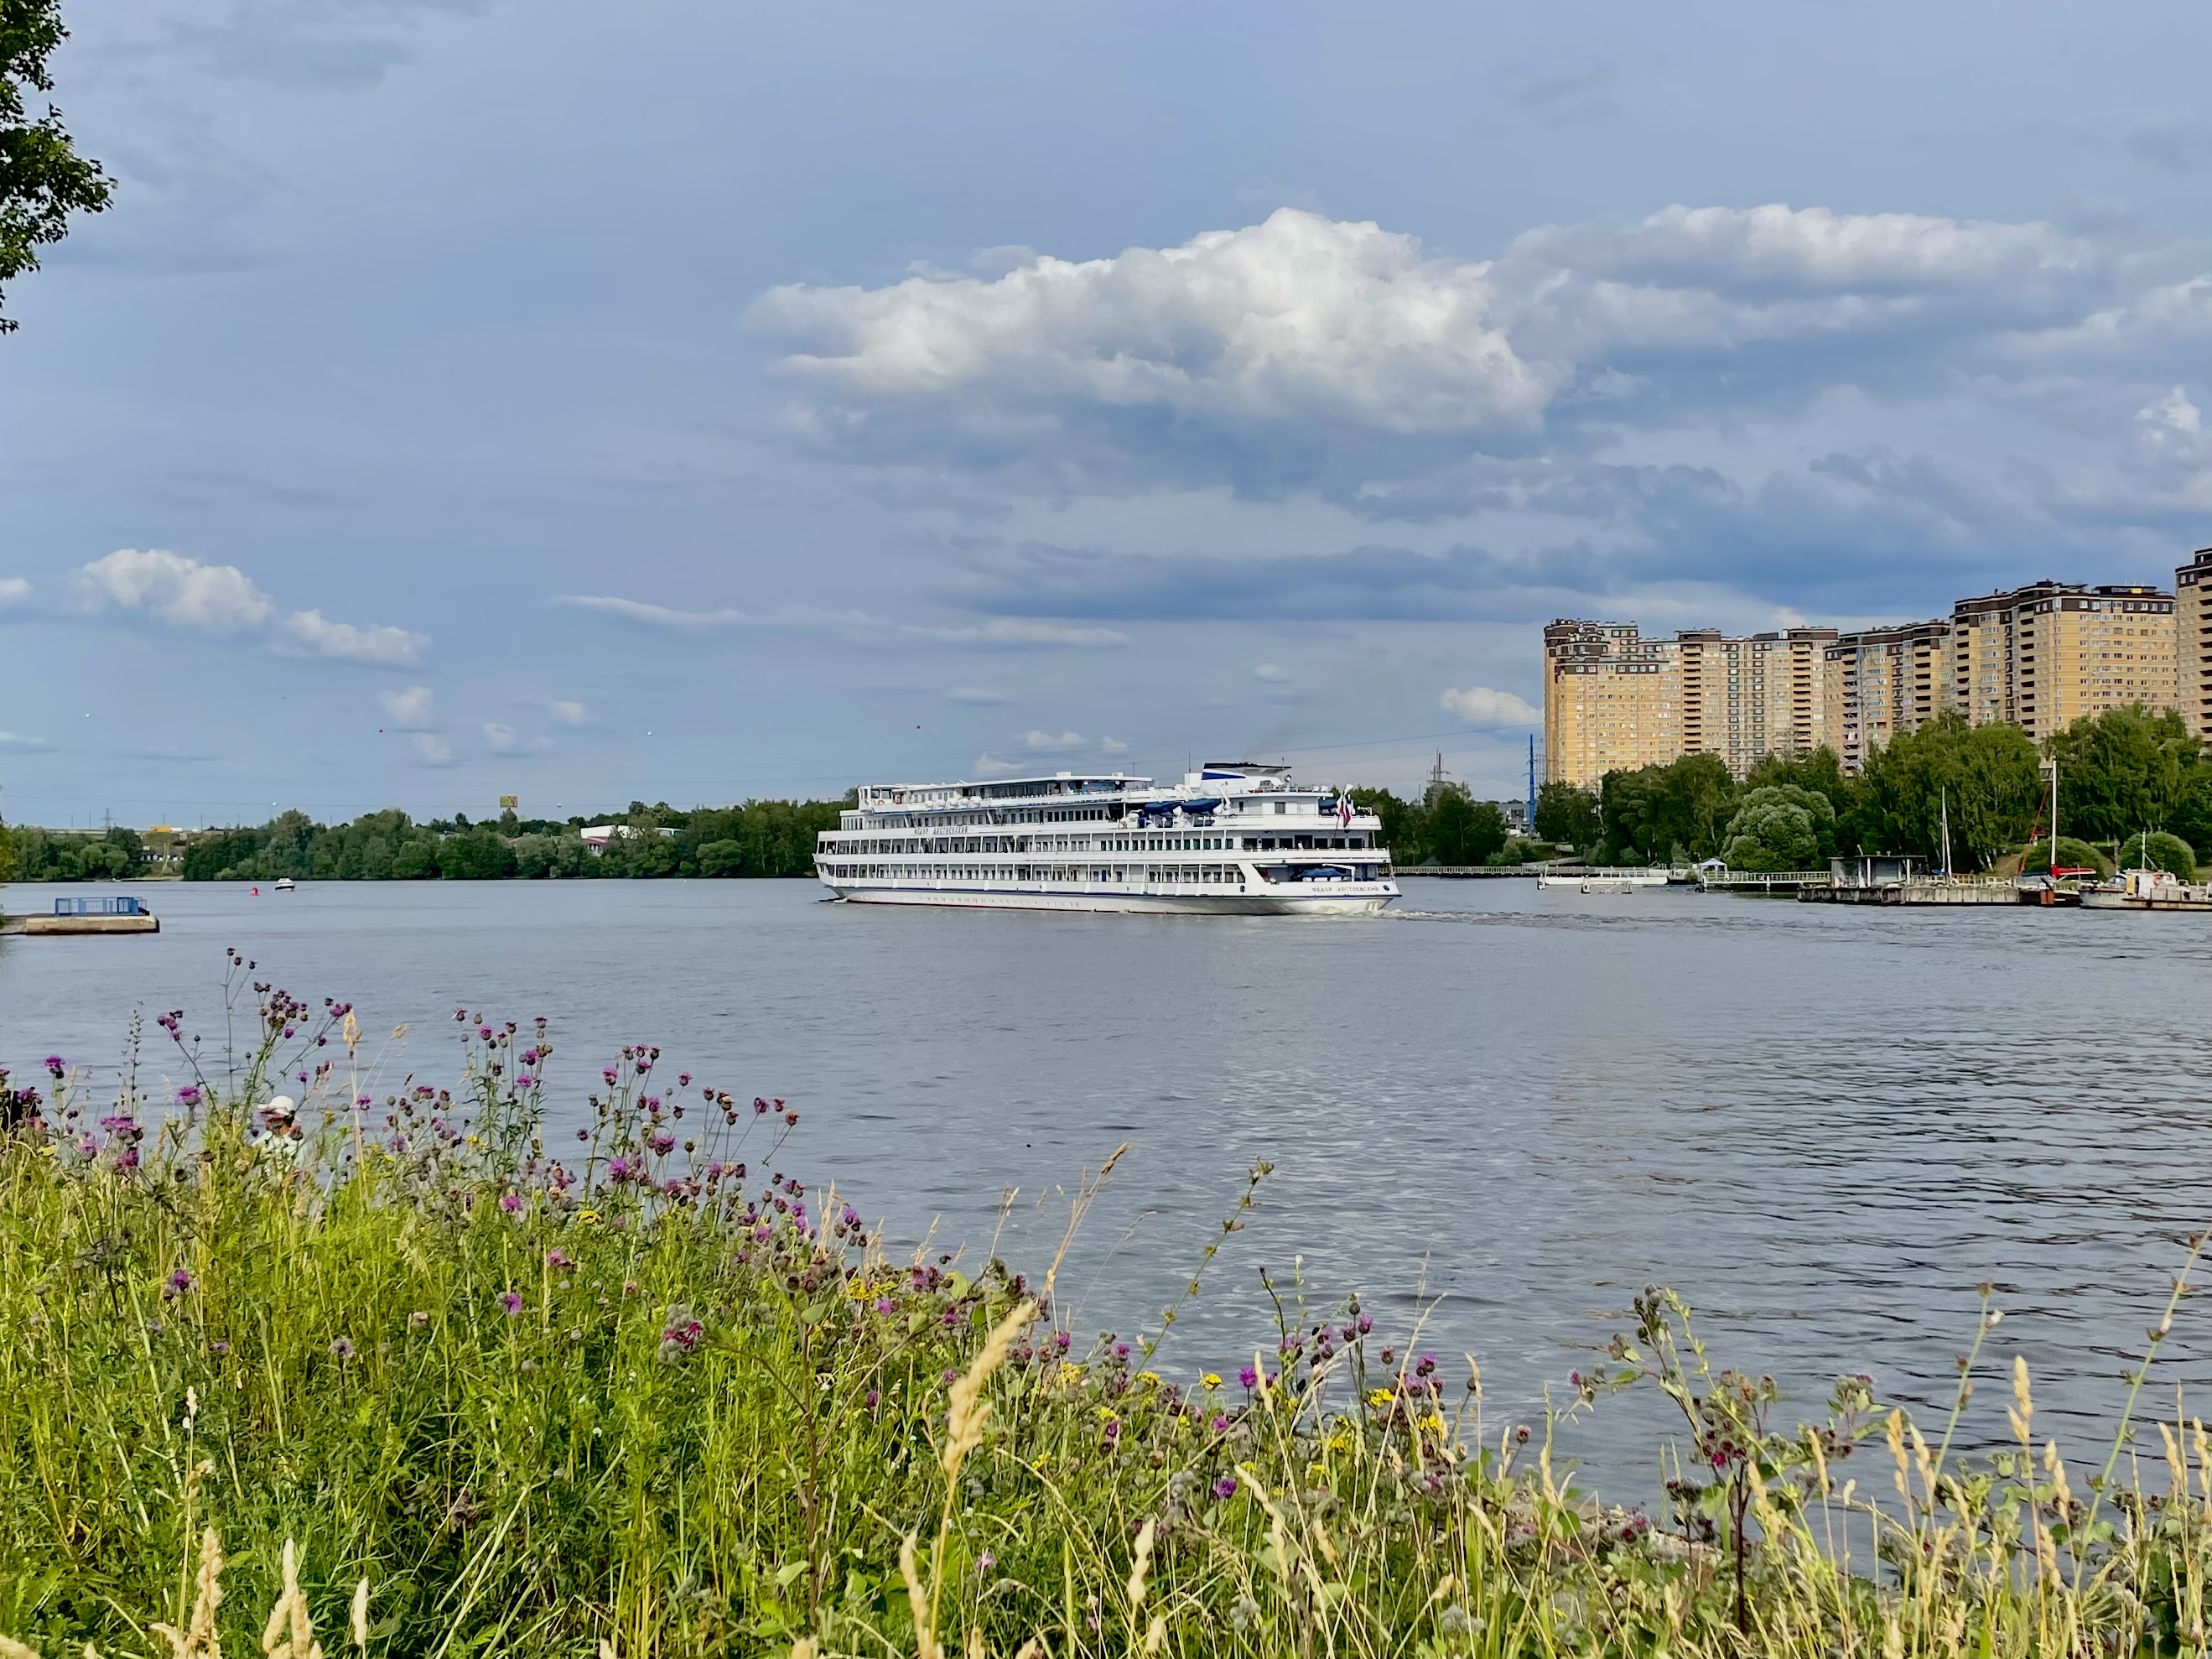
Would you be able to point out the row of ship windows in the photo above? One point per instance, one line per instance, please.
(830, 847)
(1185, 875)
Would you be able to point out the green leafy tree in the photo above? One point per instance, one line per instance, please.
(1989, 776)
(43, 179)
(2122, 772)
(1463, 830)
(1405, 823)
(2159, 850)
(1567, 815)
(1655, 812)
(722, 858)
(1820, 770)
(416, 859)
(7, 854)
(1780, 827)
(478, 855)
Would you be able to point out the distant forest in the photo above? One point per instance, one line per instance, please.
(759, 838)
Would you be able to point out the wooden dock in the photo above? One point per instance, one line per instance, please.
(78, 925)
(1765, 882)
(1929, 891)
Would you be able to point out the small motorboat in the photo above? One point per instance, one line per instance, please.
(285, 885)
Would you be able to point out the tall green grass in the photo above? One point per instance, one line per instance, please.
(647, 1393)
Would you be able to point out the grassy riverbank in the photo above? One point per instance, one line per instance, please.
(648, 1390)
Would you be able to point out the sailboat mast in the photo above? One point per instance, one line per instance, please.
(1946, 829)
(2054, 816)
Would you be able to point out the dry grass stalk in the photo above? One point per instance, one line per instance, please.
(289, 1633)
(968, 1410)
(924, 1635)
(199, 1640)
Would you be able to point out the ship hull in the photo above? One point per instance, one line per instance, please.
(1365, 901)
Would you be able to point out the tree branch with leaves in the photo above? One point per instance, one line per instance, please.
(43, 179)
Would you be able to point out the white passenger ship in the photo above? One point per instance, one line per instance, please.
(1233, 838)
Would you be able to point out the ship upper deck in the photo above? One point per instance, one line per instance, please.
(1241, 790)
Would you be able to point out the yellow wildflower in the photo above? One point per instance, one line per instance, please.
(1211, 1379)
(587, 1218)
(1379, 1398)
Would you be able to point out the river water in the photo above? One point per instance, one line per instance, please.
(1501, 1110)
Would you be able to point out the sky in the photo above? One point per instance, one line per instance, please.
(702, 401)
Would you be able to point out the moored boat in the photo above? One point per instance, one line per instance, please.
(1602, 880)
(2146, 889)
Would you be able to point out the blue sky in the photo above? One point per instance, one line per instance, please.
(698, 401)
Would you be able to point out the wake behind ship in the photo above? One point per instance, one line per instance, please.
(1234, 838)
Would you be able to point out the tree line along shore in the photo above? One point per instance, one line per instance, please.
(2135, 788)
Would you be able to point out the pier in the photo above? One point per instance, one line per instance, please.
(1921, 890)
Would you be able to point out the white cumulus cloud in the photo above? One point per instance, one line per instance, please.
(15, 743)
(1048, 743)
(222, 600)
(1479, 705)
(414, 709)
(1270, 674)
(431, 749)
(1300, 315)
(213, 599)
(1303, 318)
(390, 647)
(14, 590)
(569, 713)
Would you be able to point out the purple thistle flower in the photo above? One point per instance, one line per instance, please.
(343, 1348)
(618, 1169)
(1247, 1377)
(558, 1259)
(510, 1304)
(885, 1306)
(870, 1399)
(180, 1282)
(1226, 1487)
(1220, 1424)
(662, 1142)
(189, 1095)
(56, 1065)
(512, 1203)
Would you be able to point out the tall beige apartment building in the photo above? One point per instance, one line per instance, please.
(2045, 655)
(1615, 700)
(2041, 657)
(1880, 682)
(2192, 641)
